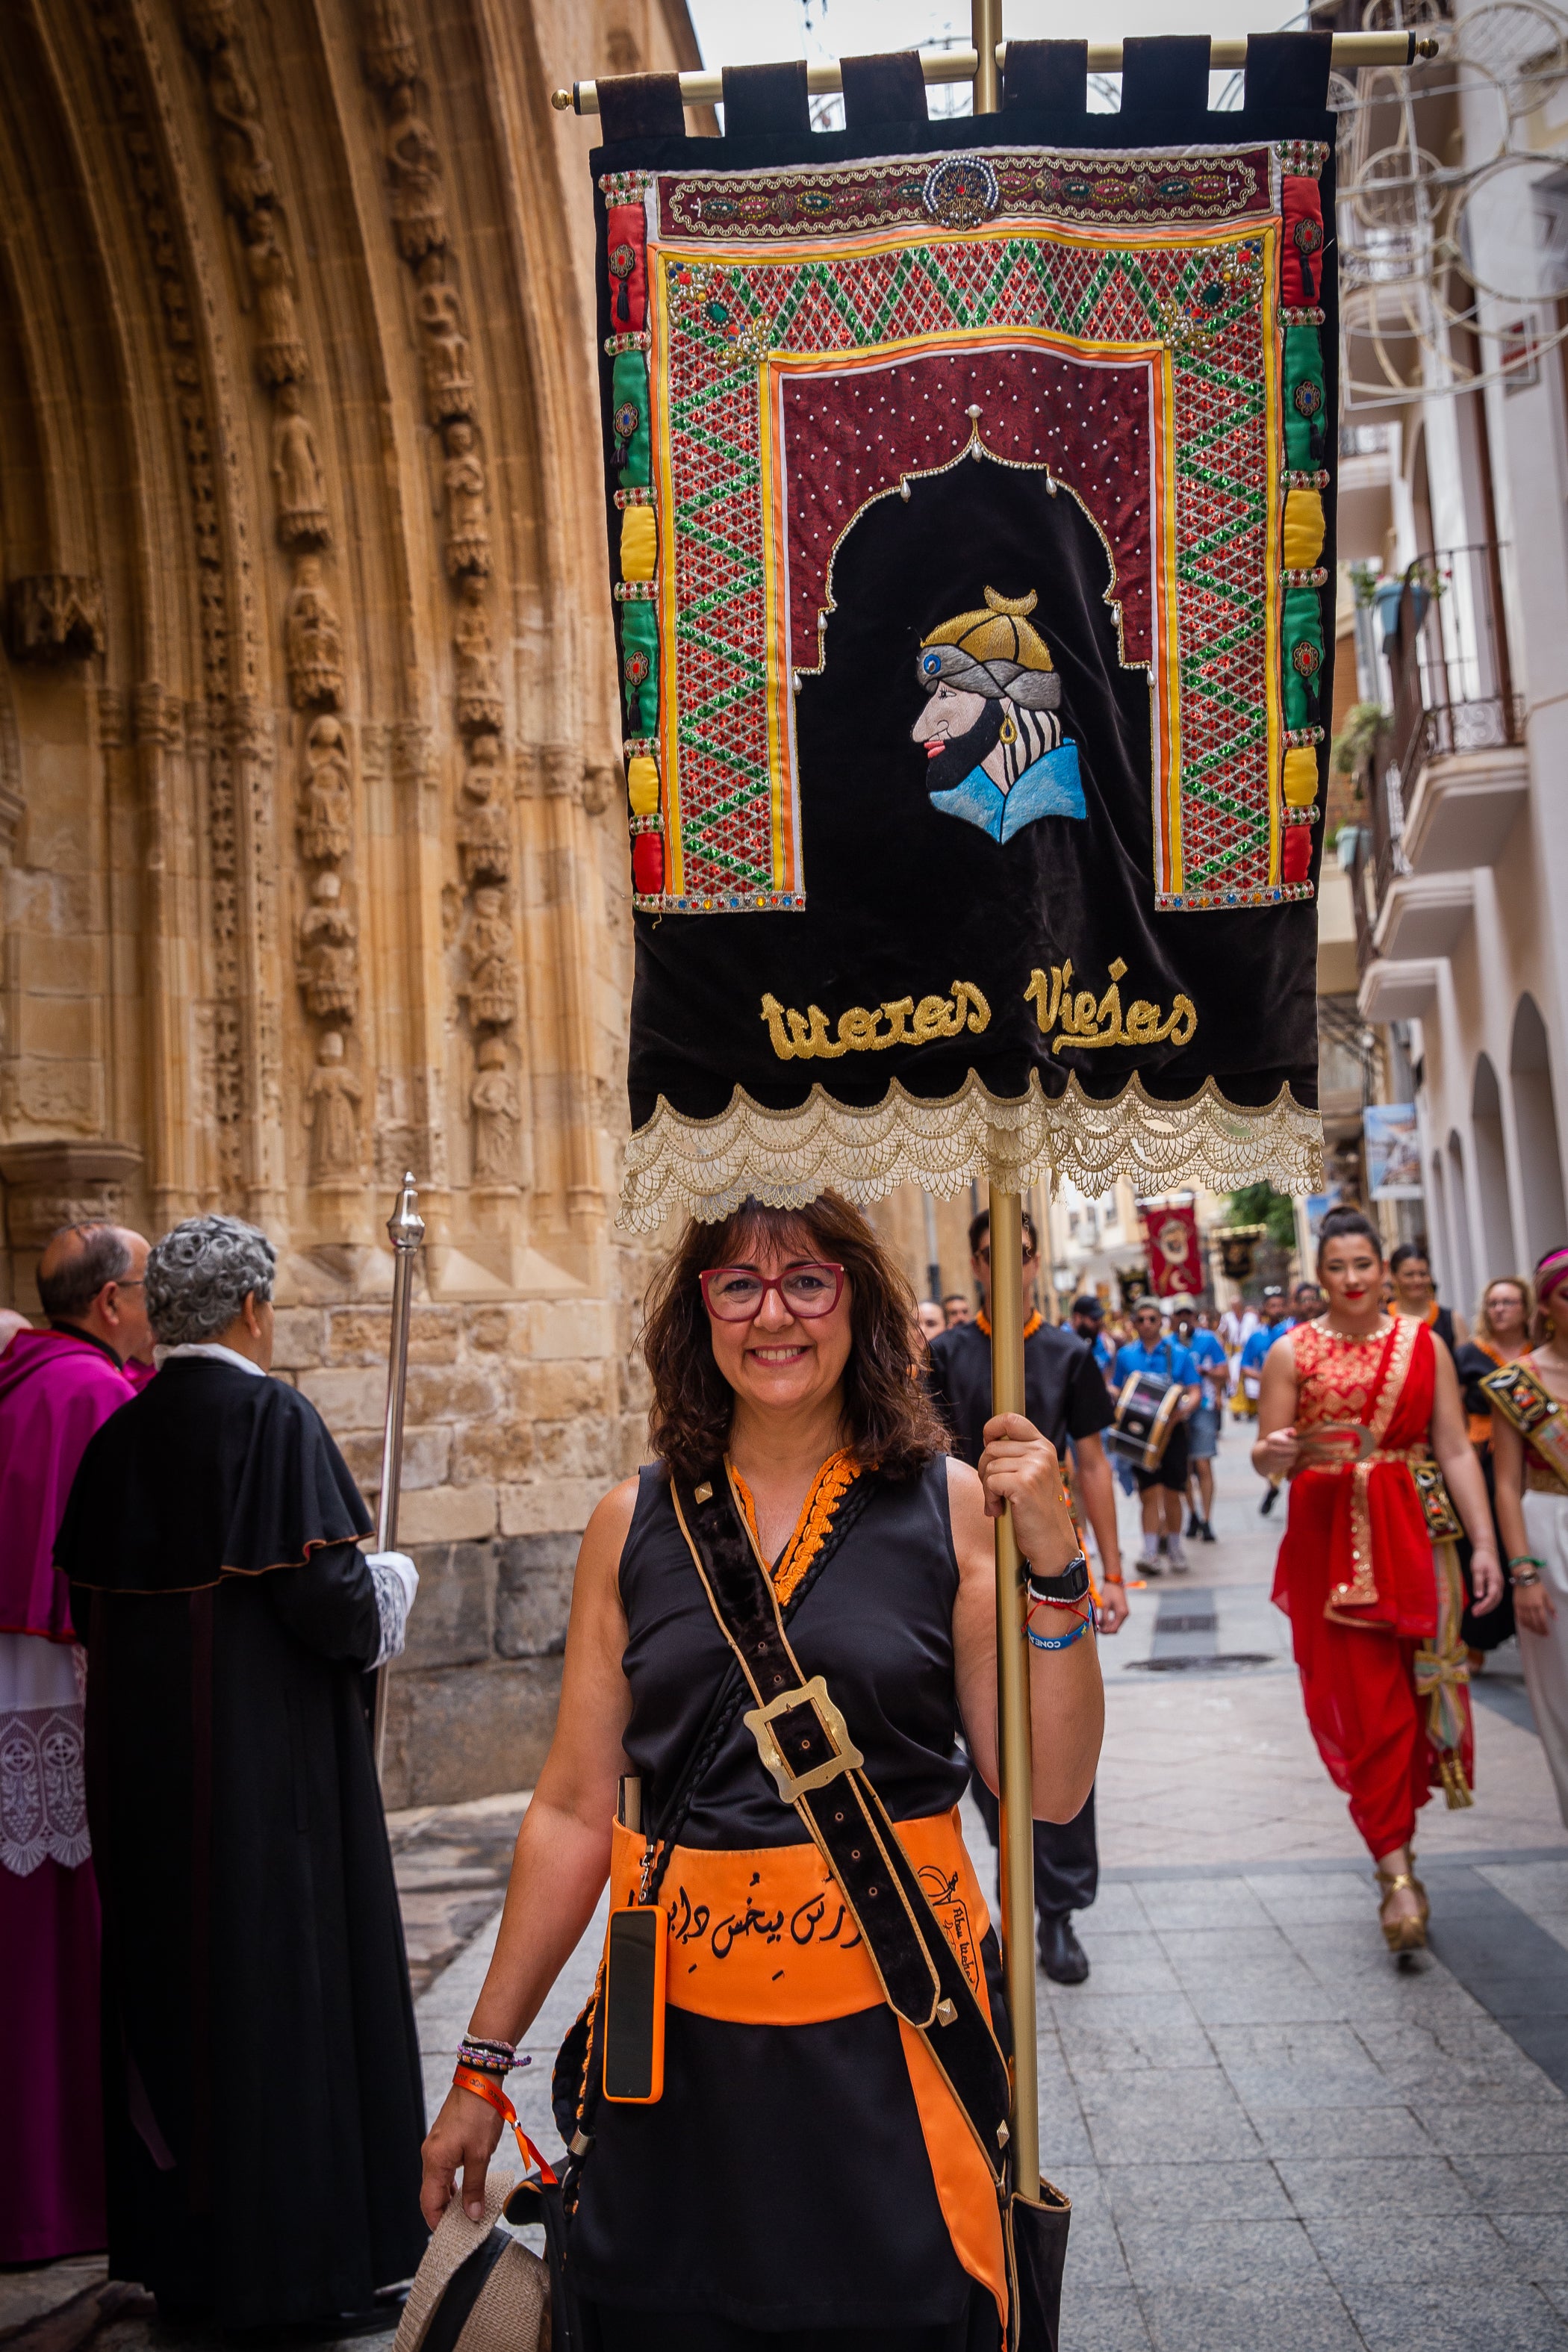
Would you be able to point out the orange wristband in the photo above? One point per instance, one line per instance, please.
(468, 2078)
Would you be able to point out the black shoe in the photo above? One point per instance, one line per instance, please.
(1268, 1502)
(1195, 1526)
(1206, 1532)
(1062, 1956)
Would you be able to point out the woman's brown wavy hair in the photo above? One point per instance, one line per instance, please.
(888, 1418)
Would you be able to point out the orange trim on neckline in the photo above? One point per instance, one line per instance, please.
(829, 1486)
(983, 1323)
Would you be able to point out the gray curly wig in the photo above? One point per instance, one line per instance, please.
(199, 1274)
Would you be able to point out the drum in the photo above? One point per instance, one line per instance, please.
(1144, 1418)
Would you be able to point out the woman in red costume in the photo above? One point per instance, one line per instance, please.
(1353, 1409)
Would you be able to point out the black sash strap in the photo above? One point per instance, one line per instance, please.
(806, 1746)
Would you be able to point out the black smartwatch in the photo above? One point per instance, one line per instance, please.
(1071, 1584)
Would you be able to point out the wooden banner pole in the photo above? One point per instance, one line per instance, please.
(1226, 55)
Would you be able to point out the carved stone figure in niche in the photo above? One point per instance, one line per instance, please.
(326, 794)
(414, 161)
(479, 689)
(468, 536)
(313, 640)
(279, 353)
(244, 167)
(494, 1099)
(327, 971)
(55, 616)
(484, 825)
(491, 989)
(208, 23)
(389, 52)
(449, 386)
(302, 492)
(332, 1095)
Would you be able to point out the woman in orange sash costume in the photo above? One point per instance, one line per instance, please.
(803, 2173)
(1362, 1412)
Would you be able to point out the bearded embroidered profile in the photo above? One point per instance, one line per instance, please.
(990, 728)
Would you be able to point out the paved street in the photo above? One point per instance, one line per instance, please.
(1272, 2134)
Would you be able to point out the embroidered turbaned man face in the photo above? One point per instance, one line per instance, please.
(992, 736)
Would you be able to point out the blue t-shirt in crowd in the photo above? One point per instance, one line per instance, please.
(1209, 1356)
(1104, 1354)
(1167, 1357)
(1259, 1345)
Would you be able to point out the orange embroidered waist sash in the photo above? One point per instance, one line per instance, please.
(761, 1935)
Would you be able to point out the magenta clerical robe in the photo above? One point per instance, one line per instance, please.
(56, 1389)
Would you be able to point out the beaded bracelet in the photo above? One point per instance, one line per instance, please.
(1059, 1640)
(489, 2057)
(1526, 1559)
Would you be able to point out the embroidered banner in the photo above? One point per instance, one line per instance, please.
(969, 536)
(1175, 1254)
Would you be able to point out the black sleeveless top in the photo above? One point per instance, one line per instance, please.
(782, 2182)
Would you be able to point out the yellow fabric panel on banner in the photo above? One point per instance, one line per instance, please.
(639, 543)
(1301, 778)
(1303, 535)
(642, 785)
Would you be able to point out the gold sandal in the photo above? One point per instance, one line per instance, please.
(1402, 1935)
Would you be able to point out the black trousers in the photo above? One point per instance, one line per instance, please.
(1067, 1854)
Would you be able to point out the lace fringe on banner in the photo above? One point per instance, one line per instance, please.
(705, 1167)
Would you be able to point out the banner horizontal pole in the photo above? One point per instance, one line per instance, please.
(1227, 55)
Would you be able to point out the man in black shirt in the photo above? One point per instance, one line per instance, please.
(1065, 1396)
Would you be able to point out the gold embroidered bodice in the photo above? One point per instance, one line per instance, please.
(1337, 1380)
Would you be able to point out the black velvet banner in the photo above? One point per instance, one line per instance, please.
(969, 490)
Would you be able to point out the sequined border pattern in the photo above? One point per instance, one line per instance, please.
(1089, 186)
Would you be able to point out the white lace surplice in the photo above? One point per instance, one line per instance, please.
(43, 1800)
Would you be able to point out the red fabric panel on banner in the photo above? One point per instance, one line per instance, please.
(627, 261)
(1300, 272)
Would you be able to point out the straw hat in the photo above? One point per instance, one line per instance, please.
(510, 2310)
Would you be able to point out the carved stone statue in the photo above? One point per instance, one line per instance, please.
(390, 55)
(479, 689)
(448, 386)
(326, 794)
(208, 23)
(333, 1095)
(484, 826)
(327, 971)
(468, 535)
(55, 616)
(491, 988)
(244, 167)
(493, 1096)
(279, 352)
(415, 162)
(313, 640)
(302, 492)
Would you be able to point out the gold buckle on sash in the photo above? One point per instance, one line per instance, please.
(1334, 1443)
(758, 1721)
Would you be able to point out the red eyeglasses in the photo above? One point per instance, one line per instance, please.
(734, 1294)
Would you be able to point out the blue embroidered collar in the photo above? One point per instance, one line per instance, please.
(1051, 787)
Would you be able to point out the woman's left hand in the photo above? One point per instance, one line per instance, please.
(1019, 1468)
(1486, 1580)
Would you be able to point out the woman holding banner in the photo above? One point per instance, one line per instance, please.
(1530, 1454)
(1353, 1409)
(799, 2160)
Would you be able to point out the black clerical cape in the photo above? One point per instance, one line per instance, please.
(262, 2090)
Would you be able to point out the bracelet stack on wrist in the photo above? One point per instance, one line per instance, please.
(1526, 1559)
(498, 2058)
(1058, 1640)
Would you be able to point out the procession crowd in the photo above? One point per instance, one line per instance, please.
(197, 1912)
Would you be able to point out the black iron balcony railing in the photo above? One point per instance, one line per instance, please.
(1445, 636)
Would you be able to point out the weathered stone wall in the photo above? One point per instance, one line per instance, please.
(314, 853)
